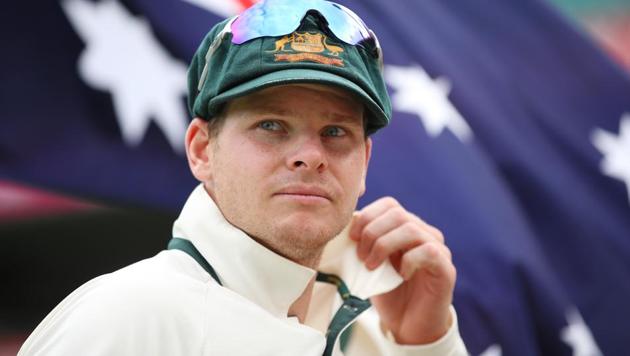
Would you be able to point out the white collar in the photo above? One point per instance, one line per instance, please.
(259, 274)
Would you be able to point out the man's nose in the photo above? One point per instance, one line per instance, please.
(308, 153)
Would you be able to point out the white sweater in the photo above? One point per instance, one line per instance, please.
(169, 305)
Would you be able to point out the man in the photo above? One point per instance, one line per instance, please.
(280, 143)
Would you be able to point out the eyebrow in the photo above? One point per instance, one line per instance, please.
(271, 110)
(335, 116)
(341, 118)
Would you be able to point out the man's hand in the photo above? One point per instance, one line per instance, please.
(417, 311)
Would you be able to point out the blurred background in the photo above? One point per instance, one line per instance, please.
(511, 134)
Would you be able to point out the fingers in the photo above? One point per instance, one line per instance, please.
(377, 208)
(368, 214)
(402, 238)
(384, 228)
(429, 257)
(379, 226)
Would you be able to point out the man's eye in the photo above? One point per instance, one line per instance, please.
(334, 131)
(269, 125)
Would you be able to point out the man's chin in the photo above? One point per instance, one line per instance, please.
(306, 231)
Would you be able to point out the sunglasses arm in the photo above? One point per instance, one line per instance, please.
(213, 47)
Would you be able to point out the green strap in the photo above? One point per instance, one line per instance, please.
(184, 245)
(343, 290)
(351, 308)
(340, 324)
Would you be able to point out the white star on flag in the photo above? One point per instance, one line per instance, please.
(578, 336)
(616, 151)
(123, 57)
(416, 93)
(493, 350)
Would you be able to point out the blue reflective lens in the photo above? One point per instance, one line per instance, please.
(280, 17)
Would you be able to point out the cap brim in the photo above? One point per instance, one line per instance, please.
(376, 120)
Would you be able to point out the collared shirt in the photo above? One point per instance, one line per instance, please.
(169, 305)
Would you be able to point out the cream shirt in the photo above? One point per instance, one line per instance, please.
(169, 305)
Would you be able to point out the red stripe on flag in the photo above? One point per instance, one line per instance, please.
(246, 3)
(613, 32)
(18, 202)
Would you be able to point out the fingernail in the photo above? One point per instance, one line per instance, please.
(370, 264)
(361, 256)
(352, 233)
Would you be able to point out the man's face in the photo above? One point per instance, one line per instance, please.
(288, 165)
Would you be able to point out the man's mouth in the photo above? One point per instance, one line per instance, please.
(304, 193)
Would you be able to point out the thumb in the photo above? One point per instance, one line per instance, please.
(355, 233)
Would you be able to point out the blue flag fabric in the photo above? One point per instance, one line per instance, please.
(508, 135)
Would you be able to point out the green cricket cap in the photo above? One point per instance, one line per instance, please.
(308, 55)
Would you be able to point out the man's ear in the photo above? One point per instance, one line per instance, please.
(197, 150)
(368, 154)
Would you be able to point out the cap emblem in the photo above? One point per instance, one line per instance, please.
(307, 47)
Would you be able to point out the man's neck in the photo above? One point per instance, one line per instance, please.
(299, 308)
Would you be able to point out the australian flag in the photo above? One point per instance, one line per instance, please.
(511, 133)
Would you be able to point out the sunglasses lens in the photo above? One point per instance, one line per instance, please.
(281, 17)
(345, 24)
(267, 18)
